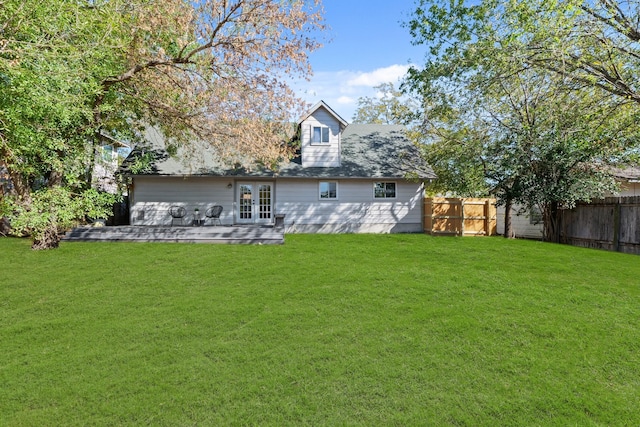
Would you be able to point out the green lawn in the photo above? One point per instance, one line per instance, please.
(324, 330)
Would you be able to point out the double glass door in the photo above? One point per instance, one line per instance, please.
(255, 202)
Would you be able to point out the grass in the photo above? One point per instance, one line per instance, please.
(324, 330)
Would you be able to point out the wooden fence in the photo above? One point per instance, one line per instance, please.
(459, 217)
(612, 224)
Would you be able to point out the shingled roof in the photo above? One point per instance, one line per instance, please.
(628, 173)
(368, 151)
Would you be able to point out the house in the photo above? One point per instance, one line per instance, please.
(525, 223)
(629, 180)
(346, 178)
(109, 156)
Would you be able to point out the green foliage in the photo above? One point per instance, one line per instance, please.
(54, 210)
(495, 111)
(73, 73)
(391, 107)
(141, 163)
(451, 147)
(401, 330)
(52, 64)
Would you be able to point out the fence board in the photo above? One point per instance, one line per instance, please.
(611, 224)
(459, 217)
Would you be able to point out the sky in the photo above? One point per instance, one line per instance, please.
(364, 46)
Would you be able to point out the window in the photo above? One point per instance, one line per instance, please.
(319, 135)
(535, 215)
(107, 153)
(328, 190)
(384, 190)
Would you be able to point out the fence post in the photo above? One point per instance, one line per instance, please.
(486, 218)
(616, 226)
(428, 216)
(487, 212)
(462, 217)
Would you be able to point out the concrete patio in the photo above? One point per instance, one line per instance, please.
(236, 234)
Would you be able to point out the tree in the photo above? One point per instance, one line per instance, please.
(73, 72)
(391, 106)
(533, 142)
(536, 136)
(551, 145)
(592, 42)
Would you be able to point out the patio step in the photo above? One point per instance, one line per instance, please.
(209, 234)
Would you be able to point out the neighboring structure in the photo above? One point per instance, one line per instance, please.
(527, 223)
(347, 178)
(629, 179)
(108, 159)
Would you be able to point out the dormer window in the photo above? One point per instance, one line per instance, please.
(320, 135)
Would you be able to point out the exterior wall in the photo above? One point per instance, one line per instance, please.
(355, 210)
(320, 155)
(152, 197)
(629, 189)
(521, 224)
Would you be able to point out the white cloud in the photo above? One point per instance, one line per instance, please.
(392, 73)
(345, 100)
(341, 89)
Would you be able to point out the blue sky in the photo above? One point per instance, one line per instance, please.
(364, 47)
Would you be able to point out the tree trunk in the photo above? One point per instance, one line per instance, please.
(551, 215)
(49, 240)
(508, 227)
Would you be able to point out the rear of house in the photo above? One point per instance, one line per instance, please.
(347, 178)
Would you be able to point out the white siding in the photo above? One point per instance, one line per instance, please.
(154, 196)
(628, 189)
(521, 224)
(354, 211)
(320, 155)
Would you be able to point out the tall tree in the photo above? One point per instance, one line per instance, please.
(535, 135)
(72, 72)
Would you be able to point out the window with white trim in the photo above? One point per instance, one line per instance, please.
(328, 190)
(384, 190)
(319, 135)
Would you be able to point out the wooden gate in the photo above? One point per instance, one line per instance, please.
(459, 217)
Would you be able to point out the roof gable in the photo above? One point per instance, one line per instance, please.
(322, 104)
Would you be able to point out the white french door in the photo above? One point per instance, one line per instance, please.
(255, 202)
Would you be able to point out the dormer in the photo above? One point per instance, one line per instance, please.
(321, 136)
